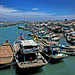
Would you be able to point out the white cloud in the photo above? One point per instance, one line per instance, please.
(6, 10)
(35, 8)
(10, 13)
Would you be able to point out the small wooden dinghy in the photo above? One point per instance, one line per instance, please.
(6, 54)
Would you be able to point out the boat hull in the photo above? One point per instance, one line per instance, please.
(52, 59)
(71, 42)
(19, 27)
(29, 68)
(69, 53)
(4, 66)
(27, 71)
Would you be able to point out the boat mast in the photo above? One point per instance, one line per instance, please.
(24, 33)
(24, 24)
(24, 17)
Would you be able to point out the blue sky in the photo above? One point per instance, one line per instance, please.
(37, 9)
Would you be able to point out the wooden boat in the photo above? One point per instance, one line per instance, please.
(27, 55)
(66, 46)
(53, 42)
(53, 53)
(55, 38)
(57, 29)
(6, 54)
(5, 25)
(46, 36)
(71, 37)
(66, 32)
(69, 50)
(20, 27)
(25, 29)
(31, 34)
(54, 35)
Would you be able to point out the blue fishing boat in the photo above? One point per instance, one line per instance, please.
(27, 55)
(53, 53)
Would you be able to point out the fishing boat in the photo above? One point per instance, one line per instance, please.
(26, 27)
(31, 34)
(66, 32)
(55, 38)
(20, 27)
(71, 37)
(53, 53)
(27, 55)
(69, 50)
(54, 35)
(46, 36)
(57, 29)
(6, 54)
(5, 25)
(66, 46)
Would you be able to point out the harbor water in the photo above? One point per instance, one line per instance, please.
(64, 67)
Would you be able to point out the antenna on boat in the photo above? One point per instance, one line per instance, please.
(24, 24)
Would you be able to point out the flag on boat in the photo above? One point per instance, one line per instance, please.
(35, 38)
(16, 31)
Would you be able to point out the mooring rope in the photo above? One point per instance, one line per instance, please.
(49, 60)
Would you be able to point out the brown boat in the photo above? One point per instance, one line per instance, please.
(6, 54)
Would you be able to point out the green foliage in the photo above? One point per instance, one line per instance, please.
(65, 19)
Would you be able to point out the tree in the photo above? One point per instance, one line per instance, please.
(65, 19)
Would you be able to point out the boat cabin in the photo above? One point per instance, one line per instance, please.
(28, 51)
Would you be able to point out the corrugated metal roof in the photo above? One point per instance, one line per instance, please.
(28, 43)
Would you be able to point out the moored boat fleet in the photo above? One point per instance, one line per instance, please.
(39, 51)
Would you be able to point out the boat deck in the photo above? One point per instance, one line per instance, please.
(29, 64)
(60, 56)
(68, 52)
(73, 47)
(50, 56)
(6, 54)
